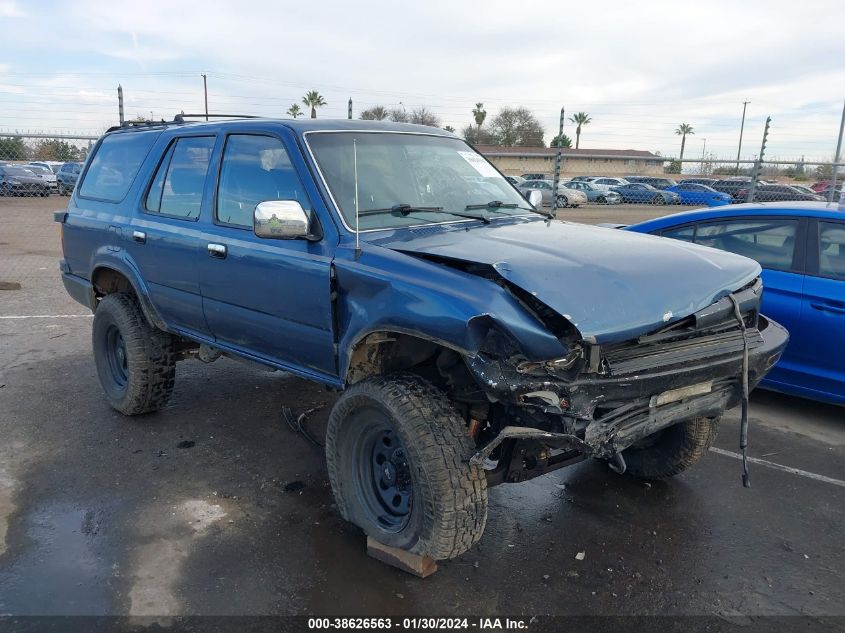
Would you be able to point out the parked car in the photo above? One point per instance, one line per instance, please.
(17, 180)
(535, 176)
(67, 177)
(44, 173)
(593, 193)
(642, 193)
(698, 181)
(820, 185)
(732, 186)
(565, 197)
(801, 247)
(693, 193)
(837, 193)
(606, 183)
(515, 180)
(475, 341)
(766, 192)
(583, 178)
(52, 165)
(654, 181)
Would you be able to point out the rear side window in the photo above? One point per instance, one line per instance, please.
(255, 169)
(770, 242)
(832, 250)
(684, 233)
(115, 165)
(178, 185)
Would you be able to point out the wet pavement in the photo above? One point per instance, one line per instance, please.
(214, 506)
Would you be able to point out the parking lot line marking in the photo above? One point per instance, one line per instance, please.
(786, 469)
(48, 316)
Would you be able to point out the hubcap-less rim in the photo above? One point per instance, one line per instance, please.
(391, 482)
(116, 355)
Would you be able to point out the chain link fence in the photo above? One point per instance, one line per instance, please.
(41, 164)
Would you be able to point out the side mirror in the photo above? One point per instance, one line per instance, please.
(535, 198)
(280, 220)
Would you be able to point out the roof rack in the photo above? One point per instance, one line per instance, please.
(178, 119)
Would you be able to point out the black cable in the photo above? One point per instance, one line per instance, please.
(743, 422)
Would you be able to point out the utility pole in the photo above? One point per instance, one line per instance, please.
(741, 129)
(205, 93)
(703, 153)
(558, 157)
(836, 159)
(759, 164)
(349, 110)
(120, 103)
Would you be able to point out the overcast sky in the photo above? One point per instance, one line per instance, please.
(638, 69)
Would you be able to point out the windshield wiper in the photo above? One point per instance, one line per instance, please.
(498, 204)
(406, 209)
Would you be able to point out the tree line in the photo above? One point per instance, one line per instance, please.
(14, 148)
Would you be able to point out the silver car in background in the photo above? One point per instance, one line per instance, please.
(565, 197)
(593, 193)
(44, 172)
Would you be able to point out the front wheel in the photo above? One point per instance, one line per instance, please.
(561, 202)
(672, 450)
(658, 200)
(601, 200)
(135, 361)
(60, 189)
(398, 460)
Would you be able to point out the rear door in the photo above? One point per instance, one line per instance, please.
(164, 239)
(820, 338)
(270, 299)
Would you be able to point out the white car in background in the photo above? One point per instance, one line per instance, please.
(43, 171)
(606, 183)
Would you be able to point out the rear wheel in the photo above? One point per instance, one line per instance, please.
(135, 361)
(398, 462)
(671, 450)
(60, 189)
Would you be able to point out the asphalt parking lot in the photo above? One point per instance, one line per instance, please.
(215, 507)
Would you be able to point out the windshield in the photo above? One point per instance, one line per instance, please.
(38, 169)
(437, 177)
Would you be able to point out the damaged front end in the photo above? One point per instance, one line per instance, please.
(600, 399)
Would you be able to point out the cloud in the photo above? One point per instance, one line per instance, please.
(10, 9)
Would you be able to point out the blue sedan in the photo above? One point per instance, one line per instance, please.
(694, 193)
(641, 192)
(801, 248)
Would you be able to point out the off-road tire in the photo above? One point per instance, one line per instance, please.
(449, 505)
(673, 450)
(150, 365)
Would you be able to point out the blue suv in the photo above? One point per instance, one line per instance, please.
(476, 340)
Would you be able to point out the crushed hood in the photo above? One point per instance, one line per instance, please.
(612, 285)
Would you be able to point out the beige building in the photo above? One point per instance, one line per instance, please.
(515, 161)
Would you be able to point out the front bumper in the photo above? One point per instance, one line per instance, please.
(602, 415)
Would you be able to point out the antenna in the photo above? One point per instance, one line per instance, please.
(355, 169)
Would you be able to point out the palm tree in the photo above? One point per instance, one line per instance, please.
(376, 113)
(581, 118)
(295, 111)
(313, 100)
(479, 114)
(682, 131)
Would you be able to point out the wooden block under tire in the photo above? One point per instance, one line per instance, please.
(420, 566)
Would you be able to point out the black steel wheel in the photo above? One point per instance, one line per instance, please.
(398, 460)
(135, 362)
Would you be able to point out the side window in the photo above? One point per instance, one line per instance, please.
(832, 250)
(684, 233)
(179, 182)
(115, 165)
(255, 169)
(770, 242)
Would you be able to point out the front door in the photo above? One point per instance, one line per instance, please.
(270, 299)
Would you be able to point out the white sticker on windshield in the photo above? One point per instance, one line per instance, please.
(479, 164)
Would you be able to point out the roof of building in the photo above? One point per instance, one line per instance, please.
(501, 150)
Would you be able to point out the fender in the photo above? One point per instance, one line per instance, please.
(387, 291)
(119, 261)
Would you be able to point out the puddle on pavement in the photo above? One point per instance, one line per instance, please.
(57, 565)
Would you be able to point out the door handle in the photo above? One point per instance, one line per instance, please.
(828, 308)
(218, 251)
(139, 236)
